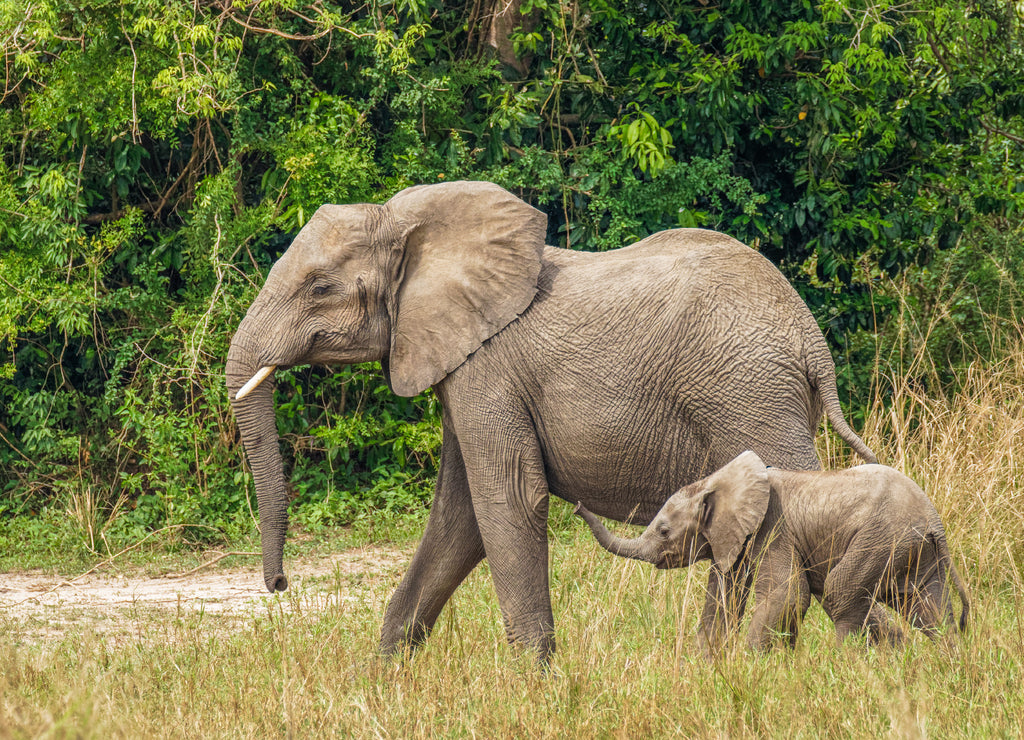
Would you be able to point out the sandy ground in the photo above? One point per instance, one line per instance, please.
(47, 606)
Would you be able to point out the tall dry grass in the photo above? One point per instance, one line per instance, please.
(963, 442)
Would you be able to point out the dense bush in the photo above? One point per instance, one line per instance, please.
(156, 158)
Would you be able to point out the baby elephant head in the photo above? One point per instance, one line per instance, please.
(711, 518)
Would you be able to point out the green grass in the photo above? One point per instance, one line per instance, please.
(52, 541)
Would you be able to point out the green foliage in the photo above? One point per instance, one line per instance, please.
(354, 446)
(327, 154)
(157, 157)
(965, 307)
(644, 142)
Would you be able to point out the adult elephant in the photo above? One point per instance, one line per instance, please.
(611, 379)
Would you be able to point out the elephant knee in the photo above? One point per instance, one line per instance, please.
(760, 640)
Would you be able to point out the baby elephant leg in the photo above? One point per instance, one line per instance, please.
(922, 595)
(723, 609)
(881, 628)
(931, 608)
(783, 596)
(851, 588)
(850, 616)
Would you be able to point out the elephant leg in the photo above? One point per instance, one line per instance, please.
(788, 445)
(881, 628)
(723, 608)
(451, 547)
(850, 616)
(925, 599)
(863, 616)
(783, 596)
(930, 610)
(801, 454)
(850, 593)
(510, 500)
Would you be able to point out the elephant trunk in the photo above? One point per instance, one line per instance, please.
(257, 423)
(636, 549)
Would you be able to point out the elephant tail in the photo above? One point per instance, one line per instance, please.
(948, 570)
(822, 376)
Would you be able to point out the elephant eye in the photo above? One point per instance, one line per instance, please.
(320, 290)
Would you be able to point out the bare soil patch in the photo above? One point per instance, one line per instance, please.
(49, 606)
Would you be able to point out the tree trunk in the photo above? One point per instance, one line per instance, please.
(492, 23)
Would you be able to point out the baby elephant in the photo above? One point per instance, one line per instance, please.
(853, 538)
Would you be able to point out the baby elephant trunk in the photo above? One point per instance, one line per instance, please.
(636, 549)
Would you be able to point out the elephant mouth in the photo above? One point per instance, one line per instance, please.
(668, 560)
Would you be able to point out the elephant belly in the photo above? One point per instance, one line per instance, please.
(623, 454)
(618, 469)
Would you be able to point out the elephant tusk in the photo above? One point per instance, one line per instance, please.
(254, 381)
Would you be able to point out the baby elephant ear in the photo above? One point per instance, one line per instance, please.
(471, 254)
(738, 499)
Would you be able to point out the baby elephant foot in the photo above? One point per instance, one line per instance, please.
(876, 627)
(881, 629)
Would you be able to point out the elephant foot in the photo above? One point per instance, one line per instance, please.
(534, 635)
(882, 629)
(402, 640)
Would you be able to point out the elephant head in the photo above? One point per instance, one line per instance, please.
(710, 518)
(418, 283)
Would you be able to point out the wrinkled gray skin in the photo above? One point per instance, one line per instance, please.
(853, 538)
(606, 378)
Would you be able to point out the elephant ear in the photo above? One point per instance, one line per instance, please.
(737, 497)
(471, 255)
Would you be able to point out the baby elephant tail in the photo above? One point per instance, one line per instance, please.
(946, 568)
(963, 598)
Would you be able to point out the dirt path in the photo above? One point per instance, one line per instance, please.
(47, 606)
